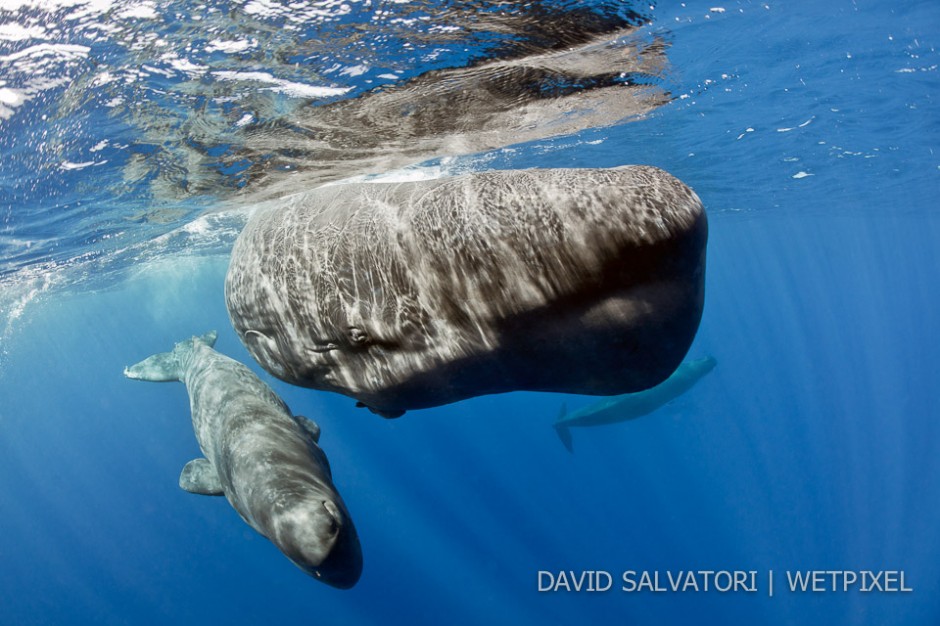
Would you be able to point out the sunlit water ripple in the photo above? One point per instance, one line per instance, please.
(136, 137)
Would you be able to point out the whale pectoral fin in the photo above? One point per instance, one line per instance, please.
(198, 476)
(562, 428)
(565, 435)
(310, 426)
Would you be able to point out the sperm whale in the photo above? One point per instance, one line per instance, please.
(416, 294)
(264, 459)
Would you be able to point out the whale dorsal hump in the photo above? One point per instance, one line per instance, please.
(198, 476)
(310, 426)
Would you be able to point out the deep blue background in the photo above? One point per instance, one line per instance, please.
(813, 445)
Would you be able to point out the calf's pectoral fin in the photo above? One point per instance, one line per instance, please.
(198, 476)
(310, 426)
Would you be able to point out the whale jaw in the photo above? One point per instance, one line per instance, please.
(319, 539)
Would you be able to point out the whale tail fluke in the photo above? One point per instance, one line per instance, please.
(167, 366)
(564, 433)
(207, 339)
(159, 368)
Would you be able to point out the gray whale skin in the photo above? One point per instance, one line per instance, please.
(416, 294)
(264, 459)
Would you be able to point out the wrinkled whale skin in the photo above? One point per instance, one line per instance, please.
(415, 294)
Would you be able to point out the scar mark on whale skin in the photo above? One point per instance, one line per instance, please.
(571, 280)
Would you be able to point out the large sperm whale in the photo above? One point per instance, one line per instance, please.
(416, 294)
(633, 405)
(264, 459)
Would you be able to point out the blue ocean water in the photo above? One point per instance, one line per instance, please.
(809, 131)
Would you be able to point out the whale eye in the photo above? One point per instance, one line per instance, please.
(357, 336)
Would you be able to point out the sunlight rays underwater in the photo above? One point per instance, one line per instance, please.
(811, 445)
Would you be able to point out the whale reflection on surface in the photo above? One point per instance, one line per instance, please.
(229, 108)
(604, 80)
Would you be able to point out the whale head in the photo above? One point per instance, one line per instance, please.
(318, 536)
(417, 294)
(359, 340)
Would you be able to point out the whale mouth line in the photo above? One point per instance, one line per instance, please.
(386, 413)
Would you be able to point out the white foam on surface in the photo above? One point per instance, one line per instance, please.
(230, 47)
(298, 90)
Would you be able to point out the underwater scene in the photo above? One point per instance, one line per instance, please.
(540, 312)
